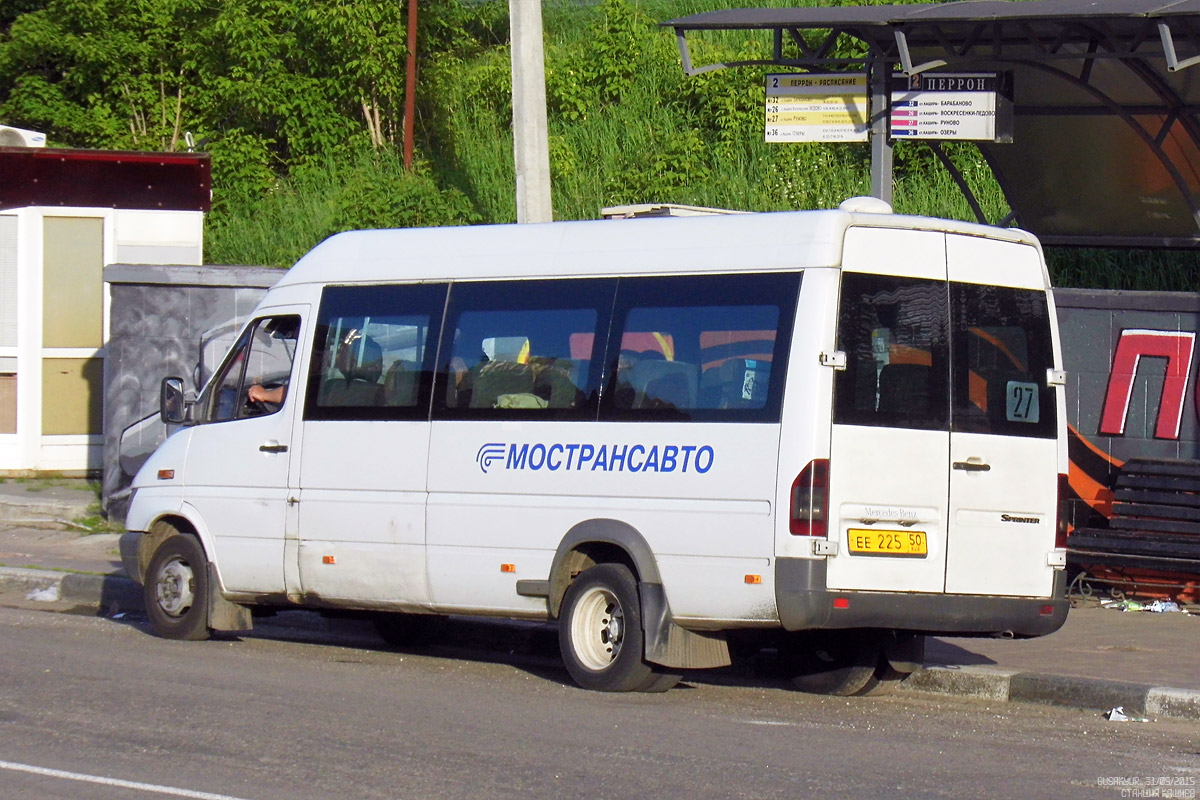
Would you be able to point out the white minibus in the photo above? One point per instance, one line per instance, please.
(824, 433)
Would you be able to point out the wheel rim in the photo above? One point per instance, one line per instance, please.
(174, 587)
(597, 628)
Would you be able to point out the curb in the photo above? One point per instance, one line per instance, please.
(41, 513)
(111, 593)
(1008, 685)
(104, 593)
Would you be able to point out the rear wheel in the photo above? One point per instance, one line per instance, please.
(177, 590)
(660, 682)
(901, 654)
(833, 662)
(600, 633)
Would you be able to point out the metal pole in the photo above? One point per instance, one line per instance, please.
(410, 84)
(881, 146)
(531, 144)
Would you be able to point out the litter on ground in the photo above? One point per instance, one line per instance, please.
(1119, 714)
(1156, 606)
(47, 595)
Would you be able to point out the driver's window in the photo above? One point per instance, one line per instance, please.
(254, 379)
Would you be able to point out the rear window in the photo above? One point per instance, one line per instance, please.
(932, 355)
(1002, 351)
(893, 332)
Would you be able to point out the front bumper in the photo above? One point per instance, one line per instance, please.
(805, 603)
(129, 543)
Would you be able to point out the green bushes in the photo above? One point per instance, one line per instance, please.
(366, 189)
(301, 104)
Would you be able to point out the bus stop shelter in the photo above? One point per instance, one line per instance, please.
(1105, 145)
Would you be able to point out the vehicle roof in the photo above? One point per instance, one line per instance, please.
(753, 242)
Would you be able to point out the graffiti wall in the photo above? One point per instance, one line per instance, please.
(1131, 384)
(163, 320)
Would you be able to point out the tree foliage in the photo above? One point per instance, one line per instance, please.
(301, 107)
(264, 85)
(275, 89)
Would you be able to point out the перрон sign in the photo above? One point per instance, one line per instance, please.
(817, 107)
(940, 105)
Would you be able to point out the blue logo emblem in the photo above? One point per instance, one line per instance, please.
(489, 454)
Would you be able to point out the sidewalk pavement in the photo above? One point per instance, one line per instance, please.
(1144, 662)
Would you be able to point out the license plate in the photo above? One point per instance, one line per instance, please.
(910, 544)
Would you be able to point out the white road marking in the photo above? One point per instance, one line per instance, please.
(144, 787)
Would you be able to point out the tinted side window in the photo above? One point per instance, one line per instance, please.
(703, 348)
(523, 349)
(1002, 350)
(373, 352)
(893, 332)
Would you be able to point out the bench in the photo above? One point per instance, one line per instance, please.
(1155, 523)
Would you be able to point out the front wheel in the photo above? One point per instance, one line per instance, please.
(177, 589)
(600, 632)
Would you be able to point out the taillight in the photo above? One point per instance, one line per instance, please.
(810, 500)
(1061, 526)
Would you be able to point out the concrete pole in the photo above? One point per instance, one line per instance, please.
(881, 148)
(531, 145)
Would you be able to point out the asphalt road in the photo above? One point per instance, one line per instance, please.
(96, 709)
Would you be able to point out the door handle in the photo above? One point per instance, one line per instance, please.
(272, 447)
(972, 466)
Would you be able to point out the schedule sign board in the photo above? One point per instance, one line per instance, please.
(940, 105)
(817, 107)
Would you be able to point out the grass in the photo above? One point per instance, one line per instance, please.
(41, 483)
(664, 137)
(54, 569)
(95, 521)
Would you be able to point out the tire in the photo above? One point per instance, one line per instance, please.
(884, 681)
(836, 662)
(600, 633)
(660, 682)
(177, 590)
(406, 630)
(887, 677)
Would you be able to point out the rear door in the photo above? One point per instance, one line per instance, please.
(1004, 415)
(890, 438)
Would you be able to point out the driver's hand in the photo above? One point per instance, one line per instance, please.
(260, 394)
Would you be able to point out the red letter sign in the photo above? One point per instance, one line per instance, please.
(1176, 347)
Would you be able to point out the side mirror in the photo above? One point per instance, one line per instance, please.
(173, 407)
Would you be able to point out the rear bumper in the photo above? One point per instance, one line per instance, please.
(804, 603)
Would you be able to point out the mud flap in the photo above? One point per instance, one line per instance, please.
(669, 644)
(224, 615)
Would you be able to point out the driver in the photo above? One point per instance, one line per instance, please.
(280, 328)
